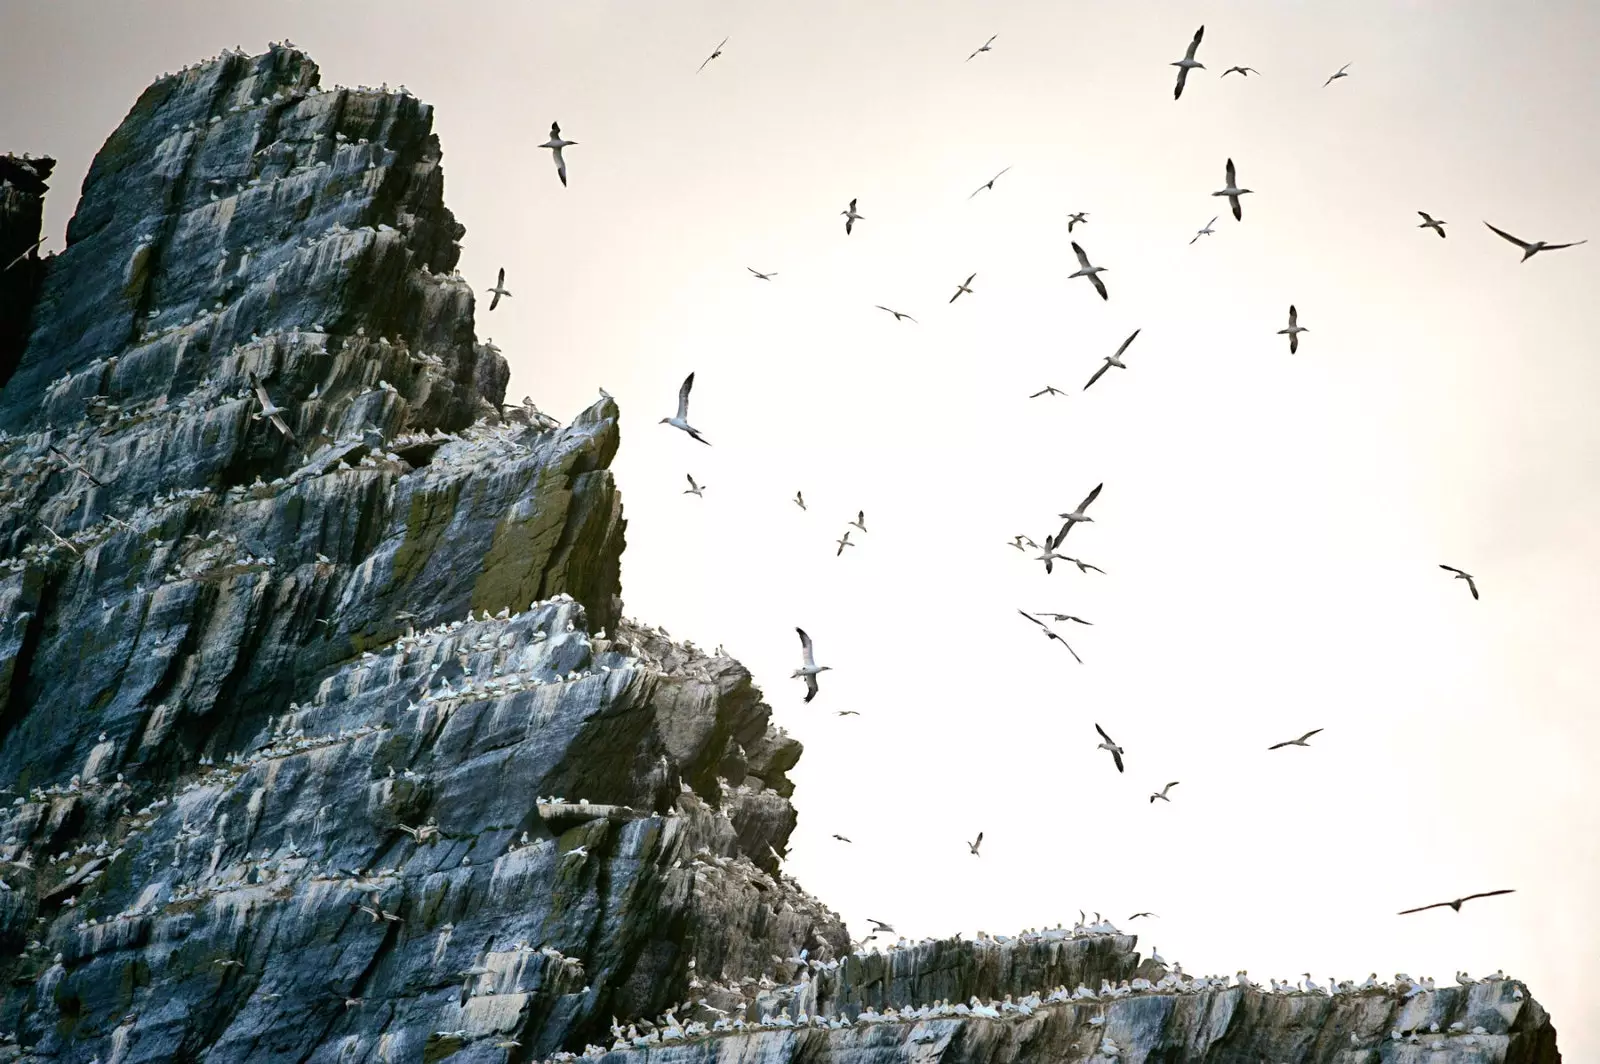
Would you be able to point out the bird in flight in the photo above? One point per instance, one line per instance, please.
(1136, 916)
(964, 286)
(1162, 793)
(1018, 541)
(269, 409)
(1113, 360)
(1047, 390)
(1048, 552)
(1075, 218)
(1077, 515)
(800, 500)
(555, 144)
(1233, 192)
(989, 184)
(1052, 634)
(850, 217)
(1294, 330)
(681, 420)
(714, 53)
(1246, 71)
(843, 541)
(846, 713)
(879, 927)
(984, 47)
(26, 252)
(841, 838)
(1083, 566)
(808, 672)
(1188, 63)
(763, 276)
(1429, 222)
(76, 466)
(1063, 617)
(1461, 575)
(1107, 744)
(1530, 250)
(1295, 742)
(1337, 75)
(694, 489)
(860, 521)
(975, 843)
(499, 289)
(897, 314)
(1456, 905)
(1091, 272)
(1207, 231)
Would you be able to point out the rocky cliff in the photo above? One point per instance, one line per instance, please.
(328, 741)
(23, 182)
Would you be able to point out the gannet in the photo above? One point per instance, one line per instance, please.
(1047, 390)
(846, 713)
(851, 217)
(1074, 219)
(694, 489)
(1113, 360)
(1456, 905)
(809, 671)
(555, 144)
(1245, 71)
(499, 289)
(1233, 192)
(75, 465)
(1162, 794)
(896, 313)
(714, 53)
(1063, 617)
(1340, 74)
(1460, 575)
(1530, 250)
(841, 838)
(963, 287)
(269, 409)
(1116, 751)
(1018, 541)
(762, 276)
(681, 421)
(989, 184)
(1048, 552)
(1207, 231)
(1078, 515)
(1429, 222)
(984, 47)
(26, 252)
(800, 500)
(63, 542)
(1052, 634)
(1187, 63)
(975, 843)
(1296, 742)
(1136, 916)
(879, 927)
(1294, 330)
(860, 521)
(843, 542)
(1091, 272)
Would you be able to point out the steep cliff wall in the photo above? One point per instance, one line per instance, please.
(23, 182)
(338, 747)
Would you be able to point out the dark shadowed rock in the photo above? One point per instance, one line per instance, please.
(22, 188)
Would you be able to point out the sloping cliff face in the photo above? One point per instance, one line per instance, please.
(339, 748)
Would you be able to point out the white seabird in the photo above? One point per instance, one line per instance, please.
(555, 144)
(1337, 75)
(1429, 222)
(762, 276)
(989, 184)
(499, 289)
(1078, 515)
(1243, 70)
(1113, 360)
(1162, 794)
(1048, 551)
(1074, 219)
(964, 286)
(851, 217)
(1188, 63)
(694, 489)
(681, 421)
(1294, 330)
(843, 541)
(1116, 751)
(1233, 192)
(269, 409)
(1296, 742)
(714, 53)
(1462, 575)
(975, 843)
(984, 47)
(808, 672)
(897, 314)
(1530, 250)
(1091, 272)
(1207, 231)
(860, 521)
(1047, 390)
(1052, 634)
(800, 500)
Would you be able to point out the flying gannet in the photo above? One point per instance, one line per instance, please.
(1063, 617)
(26, 252)
(846, 713)
(694, 489)
(1460, 575)
(1107, 744)
(1048, 551)
(499, 289)
(1078, 515)
(808, 672)
(1430, 222)
(269, 409)
(1112, 360)
(975, 843)
(897, 315)
(860, 521)
(1294, 330)
(984, 47)
(1074, 219)
(1136, 916)
(1047, 390)
(1456, 905)
(555, 144)
(964, 286)
(1162, 793)
(843, 542)
(1188, 63)
(681, 421)
(851, 217)
(1091, 272)
(989, 184)
(800, 500)
(1245, 71)
(1530, 250)
(75, 465)
(714, 53)
(1336, 76)
(1233, 192)
(841, 838)
(879, 927)
(1295, 742)
(1052, 634)
(1207, 231)
(762, 276)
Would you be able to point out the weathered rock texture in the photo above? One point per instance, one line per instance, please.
(338, 748)
(22, 187)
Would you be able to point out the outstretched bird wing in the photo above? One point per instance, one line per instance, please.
(805, 645)
(1523, 244)
(683, 397)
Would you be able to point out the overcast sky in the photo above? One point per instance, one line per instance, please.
(1271, 526)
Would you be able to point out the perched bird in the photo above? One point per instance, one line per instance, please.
(1207, 231)
(897, 315)
(1052, 634)
(1187, 63)
(843, 542)
(860, 521)
(984, 47)
(714, 53)
(555, 144)
(989, 184)
(975, 843)
(1107, 744)
(850, 217)
(1233, 192)
(1078, 515)
(1336, 76)
(1456, 905)
(1074, 219)
(1047, 390)
(763, 276)
(1460, 575)
(1113, 360)
(1294, 330)
(694, 489)
(1162, 793)
(1091, 272)
(1429, 222)
(1530, 250)
(800, 500)
(964, 286)
(681, 421)
(269, 409)
(808, 672)
(499, 289)
(1296, 742)
(1245, 71)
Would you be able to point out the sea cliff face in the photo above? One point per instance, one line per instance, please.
(334, 744)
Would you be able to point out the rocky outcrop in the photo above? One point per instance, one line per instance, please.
(331, 742)
(23, 181)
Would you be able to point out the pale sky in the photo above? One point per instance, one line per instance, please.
(1271, 526)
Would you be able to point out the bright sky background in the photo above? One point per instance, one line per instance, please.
(1271, 527)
